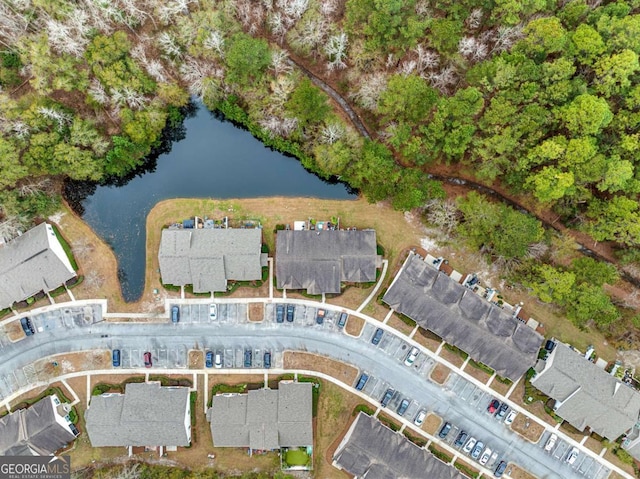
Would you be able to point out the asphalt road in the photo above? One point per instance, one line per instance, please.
(169, 344)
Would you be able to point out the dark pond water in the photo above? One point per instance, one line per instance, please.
(208, 157)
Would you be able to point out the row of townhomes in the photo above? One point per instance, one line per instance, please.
(451, 305)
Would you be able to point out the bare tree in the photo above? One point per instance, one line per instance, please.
(407, 67)
(97, 92)
(443, 78)
(427, 59)
(370, 90)
(201, 77)
(336, 49)
(215, 41)
(169, 10)
(279, 126)
(474, 20)
(331, 133)
(11, 227)
(442, 214)
(61, 118)
(280, 90)
(293, 8)
(506, 37)
(328, 7)
(168, 45)
(94, 280)
(280, 62)
(43, 185)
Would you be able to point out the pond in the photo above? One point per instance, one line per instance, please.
(209, 158)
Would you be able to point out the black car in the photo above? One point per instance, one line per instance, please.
(502, 411)
(364, 377)
(461, 439)
(27, 327)
(175, 314)
(279, 313)
(500, 469)
(377, 336)
(403, 407)
(115, 358)
(267, 360)
(247, 358)
(444, 430)
(291, 309)
(343, 320)
(387, 397)
(208, 359)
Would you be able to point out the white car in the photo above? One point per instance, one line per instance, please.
(550, 442)
(572, 456)
(411, 357)
(469, 445)
(218, 360)
(485, 456)
(213, 312)
(510, 417)
(419, 420)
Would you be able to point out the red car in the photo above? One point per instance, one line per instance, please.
(147, 360)
(493, 406)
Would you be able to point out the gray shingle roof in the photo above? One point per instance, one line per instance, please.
(207, 258)
(33, 431)
(462, 318)
(586, 395)
(319, 260)
(264, 419)
(32, 263)
(374, 451)
(147, 414)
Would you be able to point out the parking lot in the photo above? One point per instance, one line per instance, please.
(584, 465)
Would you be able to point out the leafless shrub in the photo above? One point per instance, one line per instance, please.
(442, 214)
(370, 90)
(474, 20)
(427, 59)
(331, 133)
(279, 126)
(215, 42)
(280, 62)
(336, 50)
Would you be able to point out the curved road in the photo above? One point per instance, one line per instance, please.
(280, 337)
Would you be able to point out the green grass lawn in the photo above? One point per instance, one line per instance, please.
(297, 457)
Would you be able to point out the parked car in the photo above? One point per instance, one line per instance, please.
(387, 397)
(213, 312)
(502, 410)
(412, 356)
(494, 405)
(279, 313)
(444, 430)
(115, 358)
(175, 314)
(500, 469)
(550, 442)
(27, 327)
(266, 360)
(475, 454)
(572, 456)
(419, 420)
(402, 408)
(486, 455)
(147, 360)
(343, 320)
(320, 316)
(208, 359)
(218, 359)
(468, 447)
(364, 377)
(377, 336)
(247, 358)
(291, 309)
(510, 417)
(460, 440)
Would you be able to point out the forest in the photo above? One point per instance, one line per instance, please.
(538, 97)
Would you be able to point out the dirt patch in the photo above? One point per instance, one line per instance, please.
(594, 445)
(14, 331)
(196, 359)
(527, 428)
(256, 311)
(343, 372)
(516, 472)
(427, 339)
(397, 323)
(352, 297)
(476, 373)
(440, 373)
(499, 387)
(452, 357)
(354, 326)
(432, 423)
